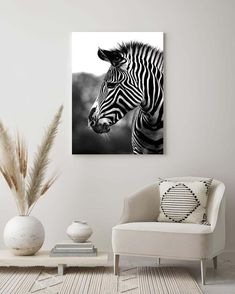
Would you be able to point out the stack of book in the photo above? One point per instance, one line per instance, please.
(72, 249)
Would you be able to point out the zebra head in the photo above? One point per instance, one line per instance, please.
(119, 91)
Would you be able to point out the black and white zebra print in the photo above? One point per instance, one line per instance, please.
(134, 80)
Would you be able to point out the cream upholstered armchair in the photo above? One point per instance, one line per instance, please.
(140, 234)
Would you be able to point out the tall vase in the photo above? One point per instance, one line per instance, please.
(24, 235)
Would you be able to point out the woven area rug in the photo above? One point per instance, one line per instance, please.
(100, 280)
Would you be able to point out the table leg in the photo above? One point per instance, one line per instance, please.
(61, 268)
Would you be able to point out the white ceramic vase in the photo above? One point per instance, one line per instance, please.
(24, 235)
(79, 231)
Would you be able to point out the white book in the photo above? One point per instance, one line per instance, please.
(73, 254)
(66, 244)
(78, 250)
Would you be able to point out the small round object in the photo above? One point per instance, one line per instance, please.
(79, 231)
(24, 235)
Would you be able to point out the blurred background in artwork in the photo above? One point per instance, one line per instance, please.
(85, 89)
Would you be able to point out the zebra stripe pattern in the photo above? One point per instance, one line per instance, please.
(134, 81)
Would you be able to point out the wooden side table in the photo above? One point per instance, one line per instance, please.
(42, 258)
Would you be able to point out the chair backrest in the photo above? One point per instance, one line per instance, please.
(144, 205)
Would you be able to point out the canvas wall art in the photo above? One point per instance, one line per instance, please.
(117, 93)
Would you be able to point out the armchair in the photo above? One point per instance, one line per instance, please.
(139, 233)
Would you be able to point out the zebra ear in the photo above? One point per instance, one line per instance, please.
(114, 56)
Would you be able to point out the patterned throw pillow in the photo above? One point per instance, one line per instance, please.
(183, 202)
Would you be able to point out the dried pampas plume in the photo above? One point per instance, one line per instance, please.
(26, 184)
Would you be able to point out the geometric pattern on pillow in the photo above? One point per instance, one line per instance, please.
(208, 183)
(183, 201)
(178, 202)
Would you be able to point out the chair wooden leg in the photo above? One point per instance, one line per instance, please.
(116, 264)
(203, 271)
(215, 262)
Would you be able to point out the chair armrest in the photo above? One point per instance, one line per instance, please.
(216, 217)
(216, 206)
(142, 206)
(218, 229)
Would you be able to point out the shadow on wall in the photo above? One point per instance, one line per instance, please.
(85, 89)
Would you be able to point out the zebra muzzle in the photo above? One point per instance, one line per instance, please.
(98, 125)
(101, 128)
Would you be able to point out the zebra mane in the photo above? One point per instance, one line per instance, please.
(133, 46)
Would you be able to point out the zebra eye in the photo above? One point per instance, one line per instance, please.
(111, 85)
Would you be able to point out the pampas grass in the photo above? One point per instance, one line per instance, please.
(27, 184)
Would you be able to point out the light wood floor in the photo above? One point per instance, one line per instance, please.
(221, 281)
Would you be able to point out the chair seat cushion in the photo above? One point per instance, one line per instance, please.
(173, 240)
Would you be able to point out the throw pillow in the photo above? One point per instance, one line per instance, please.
(183, 202)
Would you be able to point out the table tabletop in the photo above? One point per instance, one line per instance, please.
(42, 258)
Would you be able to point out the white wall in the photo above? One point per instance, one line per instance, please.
(35, 64)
